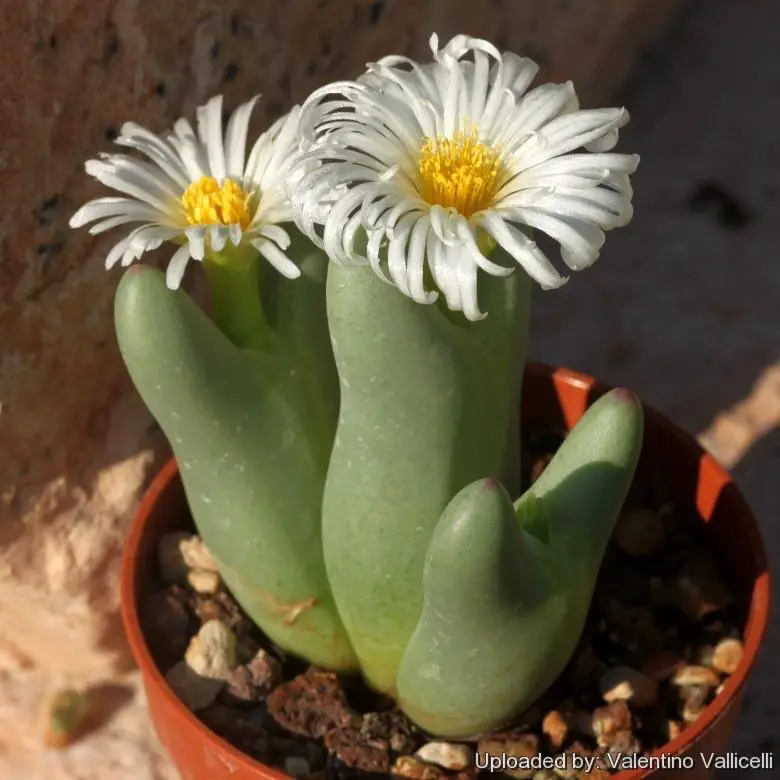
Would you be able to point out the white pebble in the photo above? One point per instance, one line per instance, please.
(212, 651)
(446, 755)
(203, 581)
(695, 675)
(178, 553)
(196, 555)
(627, 684)
(727, 655)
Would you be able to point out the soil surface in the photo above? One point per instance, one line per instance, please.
(663, 634)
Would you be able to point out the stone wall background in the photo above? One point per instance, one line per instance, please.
(76, 445)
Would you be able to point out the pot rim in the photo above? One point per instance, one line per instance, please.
(755, 629)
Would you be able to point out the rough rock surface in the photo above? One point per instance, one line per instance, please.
(77, 445)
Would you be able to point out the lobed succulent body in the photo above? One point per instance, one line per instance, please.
(346, 417)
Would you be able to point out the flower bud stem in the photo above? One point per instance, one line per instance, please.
(236, 308)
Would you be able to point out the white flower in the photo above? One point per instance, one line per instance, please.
(198, 189)
(447, 159)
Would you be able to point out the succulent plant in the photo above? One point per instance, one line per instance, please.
(345, 419)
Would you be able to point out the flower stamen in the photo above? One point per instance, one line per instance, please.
(459, 172)
(205, 202)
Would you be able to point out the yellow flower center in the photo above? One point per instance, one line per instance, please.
(459, 172)
(206, 203)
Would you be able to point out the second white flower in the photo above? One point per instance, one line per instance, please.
(440, 162)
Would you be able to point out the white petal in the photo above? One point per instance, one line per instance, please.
(379, 113)
(523, 249)
(603, 206)
(334, 226)
(415, 263)
(218, 236)
(112, 222)
(196, 236)
(272, 153)
(440, 222)
(110, 207)
(479, 85)
(443, 271)
(132, 249)
(276, 234)
(351, 229)
(605, 143)
(595, 238)
(401, 208)
(580, 241)
(598, 166)
(182, 130)
(274, 208)
(519, 73)
(153, 177)
(455, 93)
(523, 73)
(235, 233)
(376, 240)
(116, 252)
(315, 195)
(277, 258)
(284, 138)
(258, 160)
(176, 267)
(210, 133)
(466, 235)
(145, 239)
(467, 282)
(192, 155)
(235, 139)
(373, 211)
(572, 131)
(388, 67)
(156, 149)
(533, 112)
(396, 253)
(130, 180)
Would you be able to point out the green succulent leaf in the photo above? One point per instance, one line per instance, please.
(251, 430)
(507, 588)
(584, 486)
(428, 404)
(342, 457)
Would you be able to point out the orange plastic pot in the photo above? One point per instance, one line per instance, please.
(551, 397)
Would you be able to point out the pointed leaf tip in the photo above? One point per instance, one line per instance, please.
(585, 484)
(624, 394)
